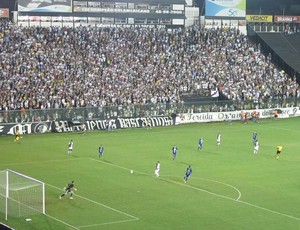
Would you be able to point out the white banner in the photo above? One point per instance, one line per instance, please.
(214, 93)
(185, 118)
(52, 6)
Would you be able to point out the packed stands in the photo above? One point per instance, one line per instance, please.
(42, 68)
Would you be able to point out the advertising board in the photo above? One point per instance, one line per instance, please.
(225, 8)
(45, 6)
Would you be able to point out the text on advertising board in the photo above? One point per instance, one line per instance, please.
(259, 18)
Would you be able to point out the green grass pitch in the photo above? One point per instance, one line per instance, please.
(230, 188)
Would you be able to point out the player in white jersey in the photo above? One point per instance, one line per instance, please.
(219, 138)
(70, 147)
(157, 168)
(256, 147)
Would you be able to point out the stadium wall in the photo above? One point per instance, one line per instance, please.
(72, 13)
(64, 126)
(185, 118)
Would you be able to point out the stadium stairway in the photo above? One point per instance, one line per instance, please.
(285, 46)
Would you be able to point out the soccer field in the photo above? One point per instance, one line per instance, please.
(230, 187)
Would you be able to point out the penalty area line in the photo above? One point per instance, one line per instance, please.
(107, 223)
(103, 205)
(65, 223)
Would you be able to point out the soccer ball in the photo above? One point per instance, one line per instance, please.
(131, 171)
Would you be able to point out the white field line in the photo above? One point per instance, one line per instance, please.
(58, 220)
(181, 184)
(95, 202)
(47, 215)
(215, 181)
(269, 210)
(107, 223)
(202, 190)
(133, 218)
(117, 166)
(199, 189)
(103, 205)
(236, 200)
(242, 202)
(219, 182)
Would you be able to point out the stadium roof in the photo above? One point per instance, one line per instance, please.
(142, 1)
(264, 6)
(267, 6)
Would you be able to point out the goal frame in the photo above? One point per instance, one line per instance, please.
(7, 189)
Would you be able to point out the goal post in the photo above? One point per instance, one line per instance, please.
(21, 195)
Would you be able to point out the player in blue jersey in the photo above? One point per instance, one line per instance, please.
(101, 151)
(174, 151)
(200, 143)
(254, 137)
(188, 173)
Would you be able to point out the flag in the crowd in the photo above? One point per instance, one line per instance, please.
(214, 93)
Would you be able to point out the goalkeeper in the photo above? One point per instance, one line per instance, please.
(69, 190)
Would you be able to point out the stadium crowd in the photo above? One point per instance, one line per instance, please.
(55, 67)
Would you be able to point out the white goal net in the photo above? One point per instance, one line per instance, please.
(21, 195)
